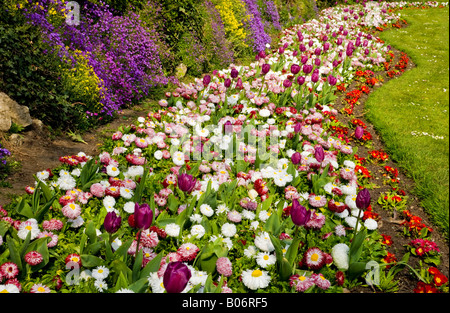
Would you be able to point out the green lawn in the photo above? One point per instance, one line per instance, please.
(412, 112)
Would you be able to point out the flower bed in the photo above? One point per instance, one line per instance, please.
(241, 181)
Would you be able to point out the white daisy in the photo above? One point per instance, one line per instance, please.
(263, 242)
(43, 175)
(129, 207)
(29, 226)
(100, 272)
(250, 252)
(198, 231)
(228, 230)
(222, 208)
(255, 279)
(195, 218)
(206, 210)
(265, 259)
(264, 215)
(158, 154)
(126, 193)
(9, 288)
(101, 285)
(156, 283)
(112, 170)
(340, 255)
(172, 230)
(116, 243)
(178, 158)
(76, 222)
(249, 215)
(66, 182)
(371, 224)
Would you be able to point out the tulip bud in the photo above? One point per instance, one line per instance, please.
(206, 80)
(287, 83)
(176, 277)
(234, 73)
(143, 216)
(359, 132)
(319, 154)
(186, 182)
(296, 158)
(299, 214)
(363, 199)
(227, 83)
(265, 68)
(112, 222)
(315, 77)
(295, 68)
(300, 80)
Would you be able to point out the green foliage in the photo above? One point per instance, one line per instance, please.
(30, 74)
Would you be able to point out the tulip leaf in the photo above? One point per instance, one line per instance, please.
(137, 266)
(273, 224)
(90, 260)
(13, 252)
(25, 245)
(23, 208)
(356, 246)
(356, 269)
(173, 203)
(121, 282)
(152, 266)
(91, 231)
(40, 245)
(122, 251)
(139, 285)
(292, 252)
(285, 269)
(4, 226)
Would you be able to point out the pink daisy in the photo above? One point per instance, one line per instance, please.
(303, 283)
(52, 224)
(40, 288)
(54, 238)
(347, 173)
(224, 266)
(321, 281)
(316, 222)
(33, 258)
(66, 199)
(71, 210)
(314, 258)
(188, 251)
(112, 191)
(149, 239)
(9, 270)
(98, 190)
(317, 201)
(234, 216)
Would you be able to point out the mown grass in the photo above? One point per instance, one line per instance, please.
(418, 103)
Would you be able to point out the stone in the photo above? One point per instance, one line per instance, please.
(180, 71)
(16, 140)
(11, 111)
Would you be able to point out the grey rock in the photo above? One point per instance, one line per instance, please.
(11, 111)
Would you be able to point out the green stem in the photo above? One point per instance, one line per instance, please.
(138, 242)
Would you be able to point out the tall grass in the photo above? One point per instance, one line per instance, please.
(412, 112)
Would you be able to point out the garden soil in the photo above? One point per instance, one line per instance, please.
(39, 151)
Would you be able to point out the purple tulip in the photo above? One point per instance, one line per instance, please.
(295, 68)
(307, 68)
(143, 216)
(315, 77)
(186, 182)
(206, 80)
(112, 222)
(302, 47)
(366, 51)
(311, 43)
(176, 277)
(265, 68)
(339, 41)
(363, 199)
(335, 63)
(332, 80)
(239, 84)
(304, 59)
(262, 54)
(287, 83)
(319, 154)
(299, 214)
(326, 46)
(318, 51)
(300, 80)
(281, 50)
(359, 132)
(227, 83)
(317, 62)
(296, 158)
(295, 53)
(349, 52)
(298, 127)
(234, 73)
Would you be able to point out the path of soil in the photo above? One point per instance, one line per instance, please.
(39, 152)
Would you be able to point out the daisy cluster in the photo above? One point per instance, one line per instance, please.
(251, 140)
